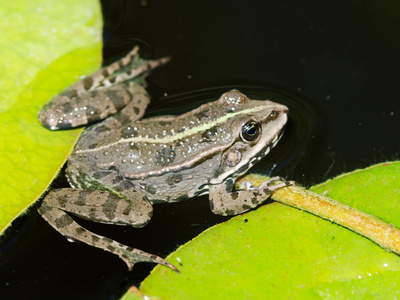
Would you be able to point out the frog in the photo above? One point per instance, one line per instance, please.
(123, 164)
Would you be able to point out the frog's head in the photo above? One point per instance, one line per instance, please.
(255, 126)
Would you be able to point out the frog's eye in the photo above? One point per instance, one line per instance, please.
(273, 114)
(250, 131)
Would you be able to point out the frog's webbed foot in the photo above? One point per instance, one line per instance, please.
(100, 95)
(103, 207)
(225, 201)
(247, 185)
(132, 256)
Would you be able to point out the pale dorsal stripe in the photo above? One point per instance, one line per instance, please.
(178, 136)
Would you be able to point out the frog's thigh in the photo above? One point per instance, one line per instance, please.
(133, 110)
(224, 201)
(102, 206)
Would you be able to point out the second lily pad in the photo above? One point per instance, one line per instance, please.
(283, 252)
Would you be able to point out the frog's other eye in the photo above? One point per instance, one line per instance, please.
(250, 131)
(273, 114)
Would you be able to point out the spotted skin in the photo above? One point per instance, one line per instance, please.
(122, 165)
(100, 95)
(224, 201)
(65, 225)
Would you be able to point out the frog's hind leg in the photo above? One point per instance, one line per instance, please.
(100, 95)
(134, 110)
(98, 206)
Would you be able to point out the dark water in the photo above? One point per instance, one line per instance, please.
(336, 64)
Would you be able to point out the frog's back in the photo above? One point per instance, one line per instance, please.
(159, 145)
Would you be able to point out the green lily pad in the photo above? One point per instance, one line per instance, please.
(281, 252)
(45, 45)
(374, 190)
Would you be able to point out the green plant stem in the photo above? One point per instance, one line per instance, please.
(385, 235)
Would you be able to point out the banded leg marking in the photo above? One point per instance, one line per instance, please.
(224, 201)
(91, 206)
(98, 96)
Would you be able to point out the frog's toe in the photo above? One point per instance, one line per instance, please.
(132, 256)
(247, 185)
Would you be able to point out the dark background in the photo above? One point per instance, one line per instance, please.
(336, 64)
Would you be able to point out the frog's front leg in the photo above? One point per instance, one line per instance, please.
(224, 201)
(102, 207)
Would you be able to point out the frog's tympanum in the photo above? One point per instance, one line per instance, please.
(122, 165)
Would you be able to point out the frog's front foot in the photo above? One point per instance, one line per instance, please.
(224, 201)
(247, 185)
